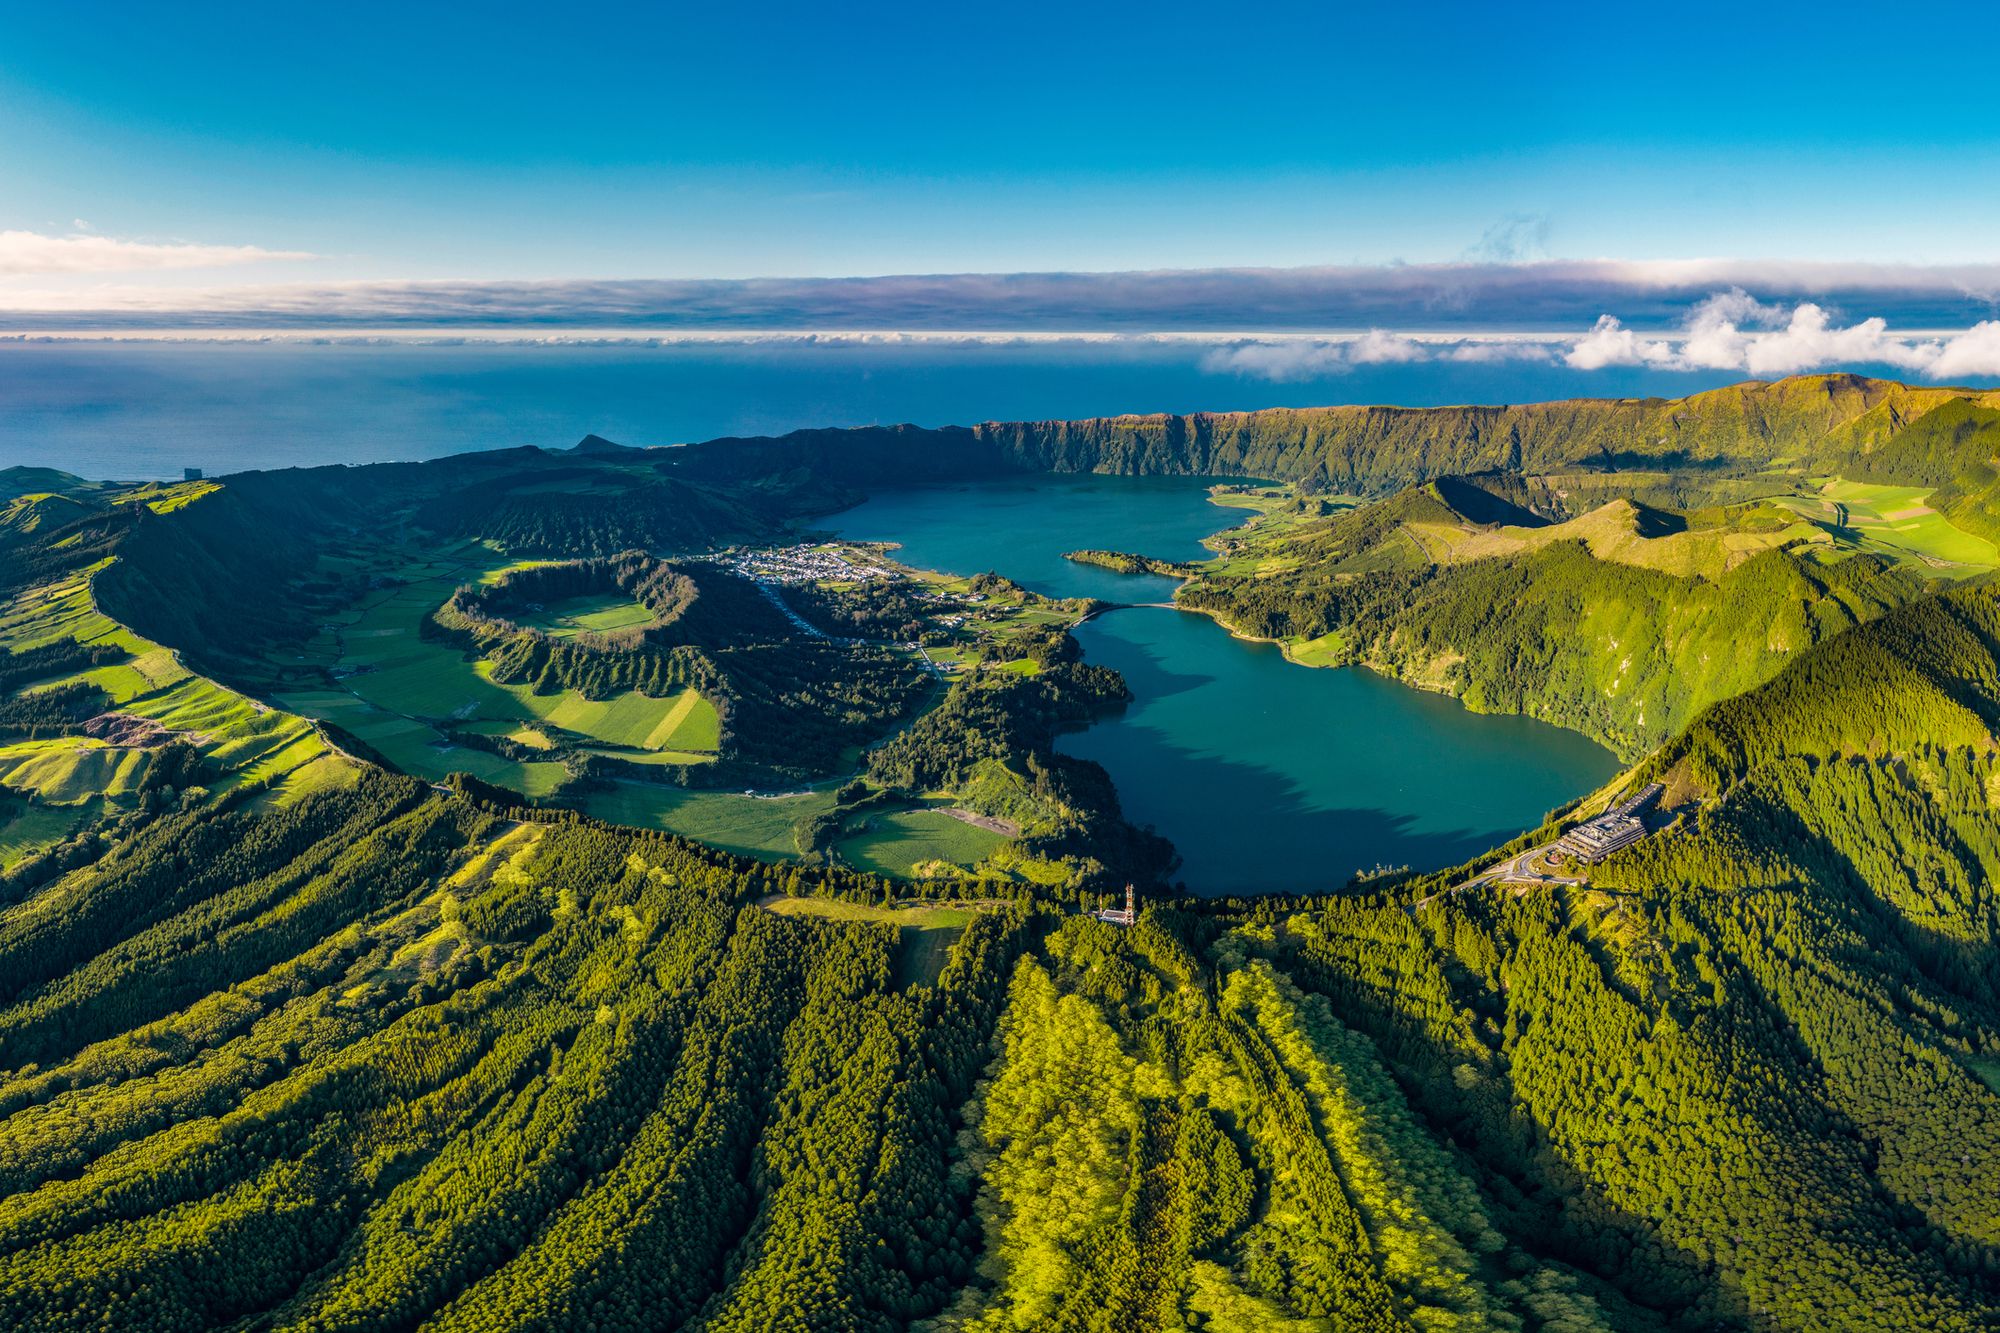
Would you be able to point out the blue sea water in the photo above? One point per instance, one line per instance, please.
(131, 410)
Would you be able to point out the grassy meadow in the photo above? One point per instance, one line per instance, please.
(1895, 521)
(592, 613)
(51, 787)
(759, 826)
(898, 844)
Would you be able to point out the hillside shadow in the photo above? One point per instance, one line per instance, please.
(1309, 793)
(1146, 671)
(1243, 828)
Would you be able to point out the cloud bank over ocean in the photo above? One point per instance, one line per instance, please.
(1730, 331)
(1762, 318)
(1549, 295)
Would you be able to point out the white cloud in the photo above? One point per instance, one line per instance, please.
(1752, 319)
(1973, 352)
(1464, 299)
(1715, 339)
(1379, 348)
(28, 252)
(1479, 352)
(1279, 362)
(1287, 359)
(1789, 342)
(1283, 359)
(1610, 343)
(1810, 341)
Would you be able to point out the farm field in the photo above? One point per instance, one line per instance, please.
(398, 685)
(1895, 521)
(594, 613)
(326, 773)
(759, 826)
(420, 749)
(71, 770)
(926, 932)
(25, 828)
(74, 779)
(1325, 650)
(651, 758)
(896, 844)
(638, 721)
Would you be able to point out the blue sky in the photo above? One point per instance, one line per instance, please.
(411, 141)
(1719, 188)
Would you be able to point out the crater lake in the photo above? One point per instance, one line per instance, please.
(1266, 775)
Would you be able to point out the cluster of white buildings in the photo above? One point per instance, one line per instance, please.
(800, 564)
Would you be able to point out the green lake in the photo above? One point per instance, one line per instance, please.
(1266, 775)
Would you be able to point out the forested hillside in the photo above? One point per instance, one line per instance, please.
(292, 1040)
(393, 1059)
(1625, 653)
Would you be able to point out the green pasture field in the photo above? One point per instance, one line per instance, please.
(64, 610)
(402, 684)
(895, 844)
(651, 758)
(1896, 522)
(26, 829)
(759, 826)
(1020, 666)
(1325, 650)
(420, 749)
(326, 773)
(71, 770)
(592, 613)
(499, 572)
(630, 719)
(925, 932)
(1263, 500)
(239, 738)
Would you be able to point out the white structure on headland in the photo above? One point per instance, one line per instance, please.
(1118, 918)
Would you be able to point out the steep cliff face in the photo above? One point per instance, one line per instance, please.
(1820, 420)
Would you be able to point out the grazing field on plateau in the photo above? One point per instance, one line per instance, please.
(400, 932)
(897, 844)
(403, 693)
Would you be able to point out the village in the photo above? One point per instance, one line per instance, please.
(804, 562)
(961, 624)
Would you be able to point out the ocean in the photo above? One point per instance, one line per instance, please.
(139, 410)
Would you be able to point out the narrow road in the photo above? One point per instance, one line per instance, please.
(1526, 869)
(772, 595)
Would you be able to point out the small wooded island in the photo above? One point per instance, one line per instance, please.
(1123, 563)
